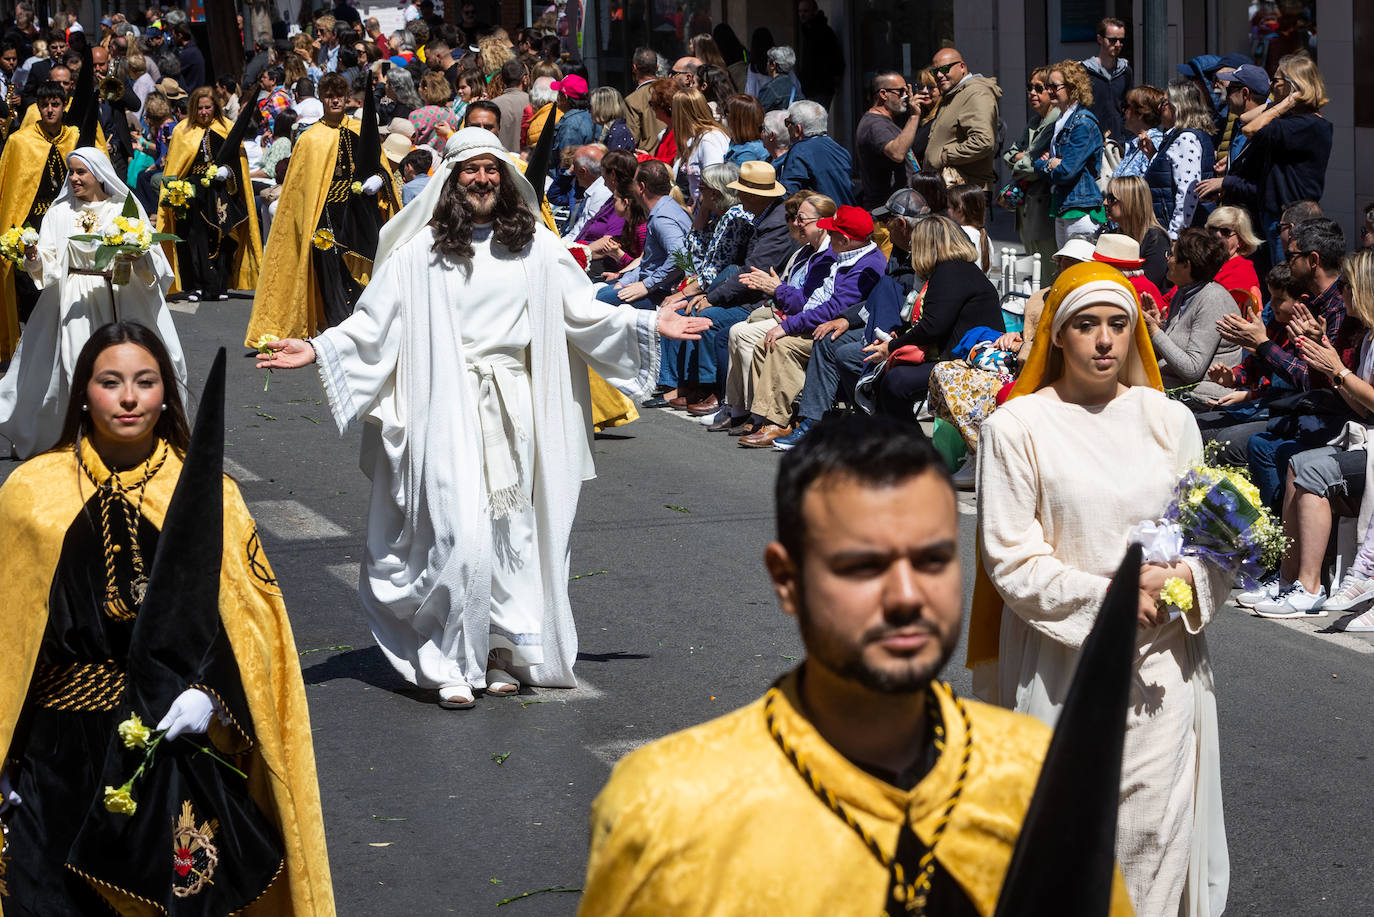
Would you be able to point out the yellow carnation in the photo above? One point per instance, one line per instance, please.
(134, 732)
(262, 342)
(1178, 593)
(120, 801)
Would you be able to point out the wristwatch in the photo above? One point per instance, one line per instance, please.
(1340, 378)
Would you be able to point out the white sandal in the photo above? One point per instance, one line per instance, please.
(457, 696)
(501, 683)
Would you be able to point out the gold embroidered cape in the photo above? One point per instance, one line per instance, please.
(37, 507)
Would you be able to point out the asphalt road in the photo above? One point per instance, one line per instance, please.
(450, 812)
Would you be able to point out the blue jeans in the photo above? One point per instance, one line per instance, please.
(834, 365)
(703, 362)
(1268, 454)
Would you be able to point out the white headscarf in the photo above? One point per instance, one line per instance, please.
(463, 145)
(105, 173)
(1095, 293)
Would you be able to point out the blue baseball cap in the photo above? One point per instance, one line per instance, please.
(1251, 77)
(1201, 67)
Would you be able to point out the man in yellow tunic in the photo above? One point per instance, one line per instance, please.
(319, 254)
(858, 784)
(32, 170)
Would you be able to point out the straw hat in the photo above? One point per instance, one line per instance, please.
(171, 89)
(758, 178)
(396, 146)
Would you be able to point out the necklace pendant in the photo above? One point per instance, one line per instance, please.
(138, 588)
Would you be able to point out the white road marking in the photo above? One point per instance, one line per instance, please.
(240, 473)
(291, 520)
(345, 573)
(613, 751)
(182, 305)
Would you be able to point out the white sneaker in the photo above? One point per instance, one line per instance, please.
(1294, 602)
(1268, 589)
(709, 419)
(1364, 624)
(966, 478)
(1354, 590)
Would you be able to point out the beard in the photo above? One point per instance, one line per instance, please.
(480, 199)
(845, 657)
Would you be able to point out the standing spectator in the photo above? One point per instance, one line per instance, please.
(1295, 140)
(963, 137)
(881, 144)
(700, 141)
(759, 42)
(143, 82)
(642, 123)
(820, 54)
(435, 93)
(345, 13)
(1034, 212)
(815, 161)
(703, 48)
(414, 174)
(610, 117)
(1183, 159)
(439, 56)
(1144, 107)
(781, 90)
(1074, 156)
(573, 130)
(543, 102)
(925, 99)
(733, 53)
(1111, 78)
(512, 102)
(1247, 89)
(327, 44)
(400, 97)
(684, 72)
(373, 28)
(744, 123)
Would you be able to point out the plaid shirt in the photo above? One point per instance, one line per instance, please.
(1278, 358)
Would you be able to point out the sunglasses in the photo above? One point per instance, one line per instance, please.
(1222, 231)
(1290, 255)
(1110, 199)
(902, 93)
(1055, 87)
(1112, 41)
(944, 69)
(1035, 87)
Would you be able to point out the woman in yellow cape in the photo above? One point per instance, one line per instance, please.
(99, 625)
(214, 211)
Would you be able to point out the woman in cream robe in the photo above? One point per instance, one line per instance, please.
(1060, 485)
(73, 301)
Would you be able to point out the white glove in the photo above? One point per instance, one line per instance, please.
(190, 713)
(222, 173)
(8, 797)
(372, 185)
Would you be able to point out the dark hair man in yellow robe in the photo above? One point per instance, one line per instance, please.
(318, 256)
(858, 784)
(32, 170)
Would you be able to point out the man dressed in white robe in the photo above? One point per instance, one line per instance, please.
(466, 358)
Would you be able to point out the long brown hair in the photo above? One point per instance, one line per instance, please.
(512, 222)
(171, 426)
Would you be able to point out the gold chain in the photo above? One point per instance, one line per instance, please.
(112, 491)
(913, 894)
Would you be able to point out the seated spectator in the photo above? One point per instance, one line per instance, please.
(781, 89)
(804, 209)
(657, 275)
(623, 250)
(815, 161)
(1075, 154)
(617, 173)
(591, 192)
(1142, 116)
(414, 174)
(968, 206)
(744, 124)
(955, 298)
(1270, 360)
(1188, 342)
(610, 115)
(436, 93)
(776, 138)
(700, 141)
(1232, 226)
(1123, 253)
(720, 232)
(779, 365)
(1318, 475)
(1130, 213)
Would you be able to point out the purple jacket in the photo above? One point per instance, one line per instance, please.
(853, 282)
(606, 222)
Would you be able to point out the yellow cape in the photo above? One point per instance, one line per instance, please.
(1043, 367)
(288, 302)
(180, 154)
(37, 506)
(22, 163)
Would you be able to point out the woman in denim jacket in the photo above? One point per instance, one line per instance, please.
(1034, 218)
(1075, 155)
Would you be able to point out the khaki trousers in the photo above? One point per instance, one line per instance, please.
(739, 389)
(779, 377)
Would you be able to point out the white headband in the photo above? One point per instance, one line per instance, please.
(1095, 293)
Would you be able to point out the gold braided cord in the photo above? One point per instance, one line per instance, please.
(913, 894)
(113, 495)
(79, 686)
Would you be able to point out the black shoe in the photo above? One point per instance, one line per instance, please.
(728, 423)
(658, 401)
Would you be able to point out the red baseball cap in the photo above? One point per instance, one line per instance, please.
(572, 86)
(850, 221)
